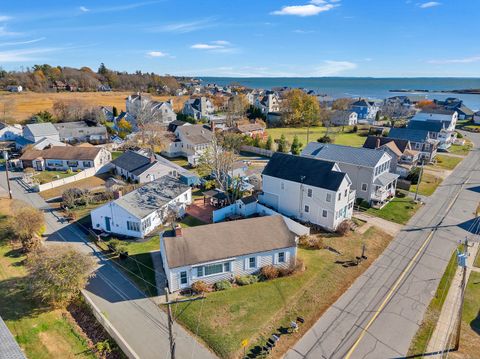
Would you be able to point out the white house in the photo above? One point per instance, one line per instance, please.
(163, 110)
(10, 132)
(139, 212)
(80, 131)
(14, 88)
(220, 251)
(191, 142)
(368, 169)
(448, 117)
(344, 118)
(307, 189)
(141, 168)
(198, 108)
(476, 118)
(36, 131)
(268, 103)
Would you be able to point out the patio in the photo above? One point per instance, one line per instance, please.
(201, 209)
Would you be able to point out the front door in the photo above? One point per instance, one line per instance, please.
(107, 224)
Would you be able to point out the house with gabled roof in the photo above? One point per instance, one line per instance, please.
(190, 142)
(344, 118)
(198, 108)
(368, 169)
(438, 130)
(448, 117)
(139, 212)
(308, 190)
(36, 131)
(365, 109)
(222, 251)
(420, 140)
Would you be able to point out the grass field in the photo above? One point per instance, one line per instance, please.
(42, 333)
(447, 162)
(419, 343)
(256, 311)
(428, 185)
(49, 176)
(470, 334)
(86, 183)
(22, 105)
(340, 138)
(461, 150)
(398, 210)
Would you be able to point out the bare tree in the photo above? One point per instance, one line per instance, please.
(236, 108)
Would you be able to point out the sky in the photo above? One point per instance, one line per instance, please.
(246, 38)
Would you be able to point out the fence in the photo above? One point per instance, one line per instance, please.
(258, 151)
(89, 172)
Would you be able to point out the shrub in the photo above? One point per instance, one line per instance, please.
(222, 285)
(311, 242)
(355, 129)
(73, 197)
(459, 135)
(343, 228)
(200, 287)
(117, 246)
(269, 272)
(27, 224)
(246, 279)
(69, 171)
(325, 139)
(414, 175)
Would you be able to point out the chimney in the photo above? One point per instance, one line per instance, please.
(378, 143)
(117, 194)
(178, 230)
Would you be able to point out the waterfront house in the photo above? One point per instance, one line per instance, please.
(139, 212)
(344, 118)
(368, 169)
(307, 189)
(365, 109)
(222, 251)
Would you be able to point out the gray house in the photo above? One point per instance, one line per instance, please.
(368, 169)
(198, 108)
(421, 140)
(36, 131)
(80, 131)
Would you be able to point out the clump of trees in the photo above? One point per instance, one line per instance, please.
(58, 276)
(26, 224)
(301, 110)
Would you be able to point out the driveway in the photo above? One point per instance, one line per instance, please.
(380, 313)
(136, 319)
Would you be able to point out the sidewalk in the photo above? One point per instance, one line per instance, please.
(439, 342)
(391, 228)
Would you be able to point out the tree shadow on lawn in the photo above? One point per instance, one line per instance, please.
(16, 302)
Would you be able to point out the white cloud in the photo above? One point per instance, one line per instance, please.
(84, 9)
(465, 60)
(22, 42)
(218, 46)
(156, 54)
(315, 7)
(300, 31)
(205, 46)
(24, 55)
(184, 27)
(5, 32)
(221, 42)
(333, 68)
(4, 18)
(429, 4)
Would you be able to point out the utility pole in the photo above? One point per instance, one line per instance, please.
(171, 319)
(5, 156)
(419, 181)
(462, 261)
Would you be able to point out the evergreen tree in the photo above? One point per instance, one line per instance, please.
(282, 144)
(269, 143)
(296, 146)
(102, 70)
(114, 111)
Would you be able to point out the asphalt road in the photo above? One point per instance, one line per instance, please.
(136, 319)
(380, 313)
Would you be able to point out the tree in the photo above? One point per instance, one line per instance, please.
(300, 109)
(341, 104)
(124, 125)
(219, 162)
(377, 116)
(58, 276)
(236, 108)
(102, 69)
(231, 141)
(296, 146)
(114, 111)
(269, 143)
(282, 144)
(43, 116)
(151, 134)
(27, 223)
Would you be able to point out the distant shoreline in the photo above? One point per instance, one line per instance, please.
(463, 91)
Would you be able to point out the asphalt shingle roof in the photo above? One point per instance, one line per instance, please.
(372, 141)
(431, 126)
(410, 135)
(42, 129)
(9, 348)
(343, 154)
(310, 171)
(133, 162)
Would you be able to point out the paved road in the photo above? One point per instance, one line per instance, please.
(136, 318)
(380, 313)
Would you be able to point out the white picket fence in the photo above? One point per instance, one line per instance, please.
(89, 172)
(258, 151)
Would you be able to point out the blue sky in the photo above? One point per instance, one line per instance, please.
(377, 38)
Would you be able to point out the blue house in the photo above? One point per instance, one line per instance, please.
(365, 109)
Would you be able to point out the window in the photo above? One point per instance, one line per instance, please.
(183, 277)
(282, 186)
(87, 164)
(226, 267)
(364, 187)
(309, 192)
(199, 271)
(281, 257)
(324, 213)
(346, 192)
(339, 196)
(307, 209)
(329, 197)
(133, 226)
(214, 269)
(72, 163)
(252, 262)
(146, 223)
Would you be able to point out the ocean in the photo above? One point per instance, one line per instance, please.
(374, 88)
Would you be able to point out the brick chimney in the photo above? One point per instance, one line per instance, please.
(178, 230)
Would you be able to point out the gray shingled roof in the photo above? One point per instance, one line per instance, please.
(133, 162)
(42, 129)
(152, 196)
(385, 178)
(431, 126)
(197, 134)
(9, 348)
(343, 154)
(310, 171)
(226, 240)
(410, 135)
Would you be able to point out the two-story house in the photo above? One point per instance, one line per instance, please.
(198, 108)
(307, 189)
(365, 109)
(368, 170)
(420, 140)
(268, 103)
(161, 110)
(437, 130)
(448, 117)
(190, 142)
(344, 118)
(81, 131)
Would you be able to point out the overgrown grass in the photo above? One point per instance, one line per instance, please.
(398, 210)
(428, 185)
(256, 311)
(447, 162)
(41, 332)
(419, 343)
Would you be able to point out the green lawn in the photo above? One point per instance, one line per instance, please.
(340, 138)
(49, 176)
(470, 335)
(447, 162)
(116, 154)
(42, 333)
(189, 221)
(398, 210)
(181, 161)
(256, 311)
(477, 260)
(419, 343)
(428, 185)
(461, 150)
